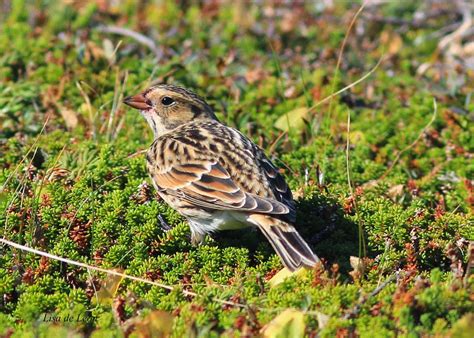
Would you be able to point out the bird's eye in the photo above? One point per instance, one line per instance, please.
(167, 101)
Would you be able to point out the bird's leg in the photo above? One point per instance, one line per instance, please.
(164, 226)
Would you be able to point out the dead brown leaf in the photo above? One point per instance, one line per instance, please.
(70, 117)
(392, 41)
(255, 75)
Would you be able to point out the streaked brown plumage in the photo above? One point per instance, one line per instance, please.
(215, 176)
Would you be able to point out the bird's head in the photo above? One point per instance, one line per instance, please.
(166, 107)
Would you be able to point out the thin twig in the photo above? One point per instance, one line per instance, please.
(143, 151)
(144, 40)
(92, 113)
(459, 33)
(348, 144)
(339, 57)
(116, 102)
(356, 309)
(274, 144)
(112, 272)
(327, 98)
(362, 250)
(416, 22)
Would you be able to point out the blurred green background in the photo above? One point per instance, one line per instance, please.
(392, 191)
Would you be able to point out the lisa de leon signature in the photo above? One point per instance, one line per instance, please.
(51, 317)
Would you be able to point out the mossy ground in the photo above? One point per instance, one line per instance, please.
(74, 182)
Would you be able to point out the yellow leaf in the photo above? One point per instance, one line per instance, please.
(289, 323)
(284, 273)
(157, 324)
(463, 326)
(293, 120)
(108, 289)
(356, 137)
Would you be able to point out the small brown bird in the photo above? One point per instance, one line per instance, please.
(215, 176)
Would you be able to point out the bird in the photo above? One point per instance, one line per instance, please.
(214, 176)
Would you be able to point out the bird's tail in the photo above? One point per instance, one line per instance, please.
(287, 242)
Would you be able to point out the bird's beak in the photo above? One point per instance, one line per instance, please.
(138, 101)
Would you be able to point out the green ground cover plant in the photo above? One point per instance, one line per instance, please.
(382, 173)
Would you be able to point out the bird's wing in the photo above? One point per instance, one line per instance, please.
(184, 168)
(277, 184)
(207, 184)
